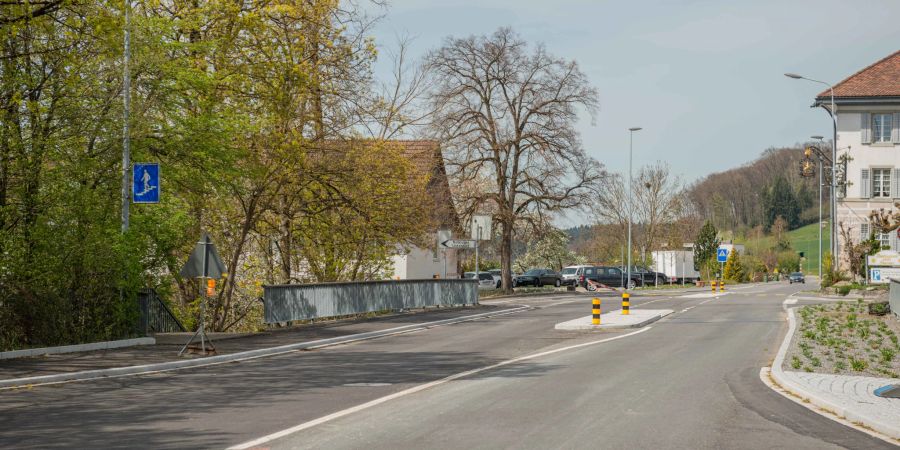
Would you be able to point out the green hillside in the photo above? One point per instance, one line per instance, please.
(803, 239)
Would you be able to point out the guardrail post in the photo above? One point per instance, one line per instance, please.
(626, 303)
(595, 311)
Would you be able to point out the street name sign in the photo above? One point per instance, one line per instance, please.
(722, 255)
(459, 243)
(145, 183)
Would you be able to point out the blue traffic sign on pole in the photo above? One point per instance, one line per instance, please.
(722, 255)
(145, 183)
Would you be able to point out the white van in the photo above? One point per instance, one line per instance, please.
(571, 275)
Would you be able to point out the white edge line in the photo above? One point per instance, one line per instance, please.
(413, 390)
(23, 383)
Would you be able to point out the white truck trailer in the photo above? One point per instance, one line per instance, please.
(678, 265)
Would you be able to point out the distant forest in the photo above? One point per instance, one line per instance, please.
(756, 193)
(736, 201)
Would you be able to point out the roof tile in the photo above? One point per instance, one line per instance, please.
(881, 79)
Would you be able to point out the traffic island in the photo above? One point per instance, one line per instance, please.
(615, 319)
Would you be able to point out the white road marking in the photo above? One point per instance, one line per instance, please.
(790, 301)
(415, 389)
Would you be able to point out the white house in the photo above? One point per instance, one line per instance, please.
(867, 105)
(419, 263)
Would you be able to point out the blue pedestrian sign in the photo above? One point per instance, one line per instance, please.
(722, 255)
(145, 183)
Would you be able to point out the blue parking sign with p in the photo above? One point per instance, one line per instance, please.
(145, 183)
(722, 255)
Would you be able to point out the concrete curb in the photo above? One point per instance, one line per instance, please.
(240, 356)
(105, 345)
(789, 385)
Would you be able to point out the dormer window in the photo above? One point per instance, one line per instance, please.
(881, 127)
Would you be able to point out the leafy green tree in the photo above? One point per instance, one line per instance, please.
(705, 247)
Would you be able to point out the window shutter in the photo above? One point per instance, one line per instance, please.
(892, 241)
(865, 183)
(865, 128)
(895, 183)
(863, 231)
(895, 131)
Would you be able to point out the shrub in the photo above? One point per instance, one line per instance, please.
(795, 363)
(887, 354)
(879, 309)
(858, 364)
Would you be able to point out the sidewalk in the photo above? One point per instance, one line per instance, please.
(167, 347)
(848, 397)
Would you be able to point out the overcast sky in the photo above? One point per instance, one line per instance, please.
(703, 78)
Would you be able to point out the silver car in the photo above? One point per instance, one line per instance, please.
(485, 279)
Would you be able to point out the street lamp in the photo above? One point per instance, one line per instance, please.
(831, 112)
(819, 138)
(630, 201)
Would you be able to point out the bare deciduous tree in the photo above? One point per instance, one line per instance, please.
(507, 116)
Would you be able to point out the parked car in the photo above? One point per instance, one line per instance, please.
(571, 274)
(608, 276)
(498, 276)
(797, 277)
(649, 277)
(538, 278)
(485, 279)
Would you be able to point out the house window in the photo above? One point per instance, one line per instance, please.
(881, 127)
(881, 182)
(884, 239)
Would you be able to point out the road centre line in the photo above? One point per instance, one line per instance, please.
(415, 389)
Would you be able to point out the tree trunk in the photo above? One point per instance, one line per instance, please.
(506, 238)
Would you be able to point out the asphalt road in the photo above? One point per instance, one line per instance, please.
(689, 381)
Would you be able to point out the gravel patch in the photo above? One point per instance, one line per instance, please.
(843, 338)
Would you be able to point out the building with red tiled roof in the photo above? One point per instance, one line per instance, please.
(419, 263)
(881, 80)
(867, 111)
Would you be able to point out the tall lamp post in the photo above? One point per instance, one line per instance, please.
(831, 112)
(819, 138)
(630, 200)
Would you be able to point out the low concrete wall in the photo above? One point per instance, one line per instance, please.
(77, 348)
(289, 302)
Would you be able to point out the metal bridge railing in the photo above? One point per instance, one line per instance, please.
(290, 302)
(156, 317)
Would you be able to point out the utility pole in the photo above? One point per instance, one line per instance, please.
(126, 112)
(630, 201)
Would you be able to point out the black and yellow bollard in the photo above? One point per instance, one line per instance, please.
(713, 285)
(595, 312)
(626, 303)
(722, 286)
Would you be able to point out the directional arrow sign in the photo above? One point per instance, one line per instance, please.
(459, 243)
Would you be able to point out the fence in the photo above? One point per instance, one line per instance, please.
(156, 317)
(894, 297)
(289, 302)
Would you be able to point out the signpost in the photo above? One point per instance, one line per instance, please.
(722, 257)
(145, 183)
(204, 263)
(481, 230)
